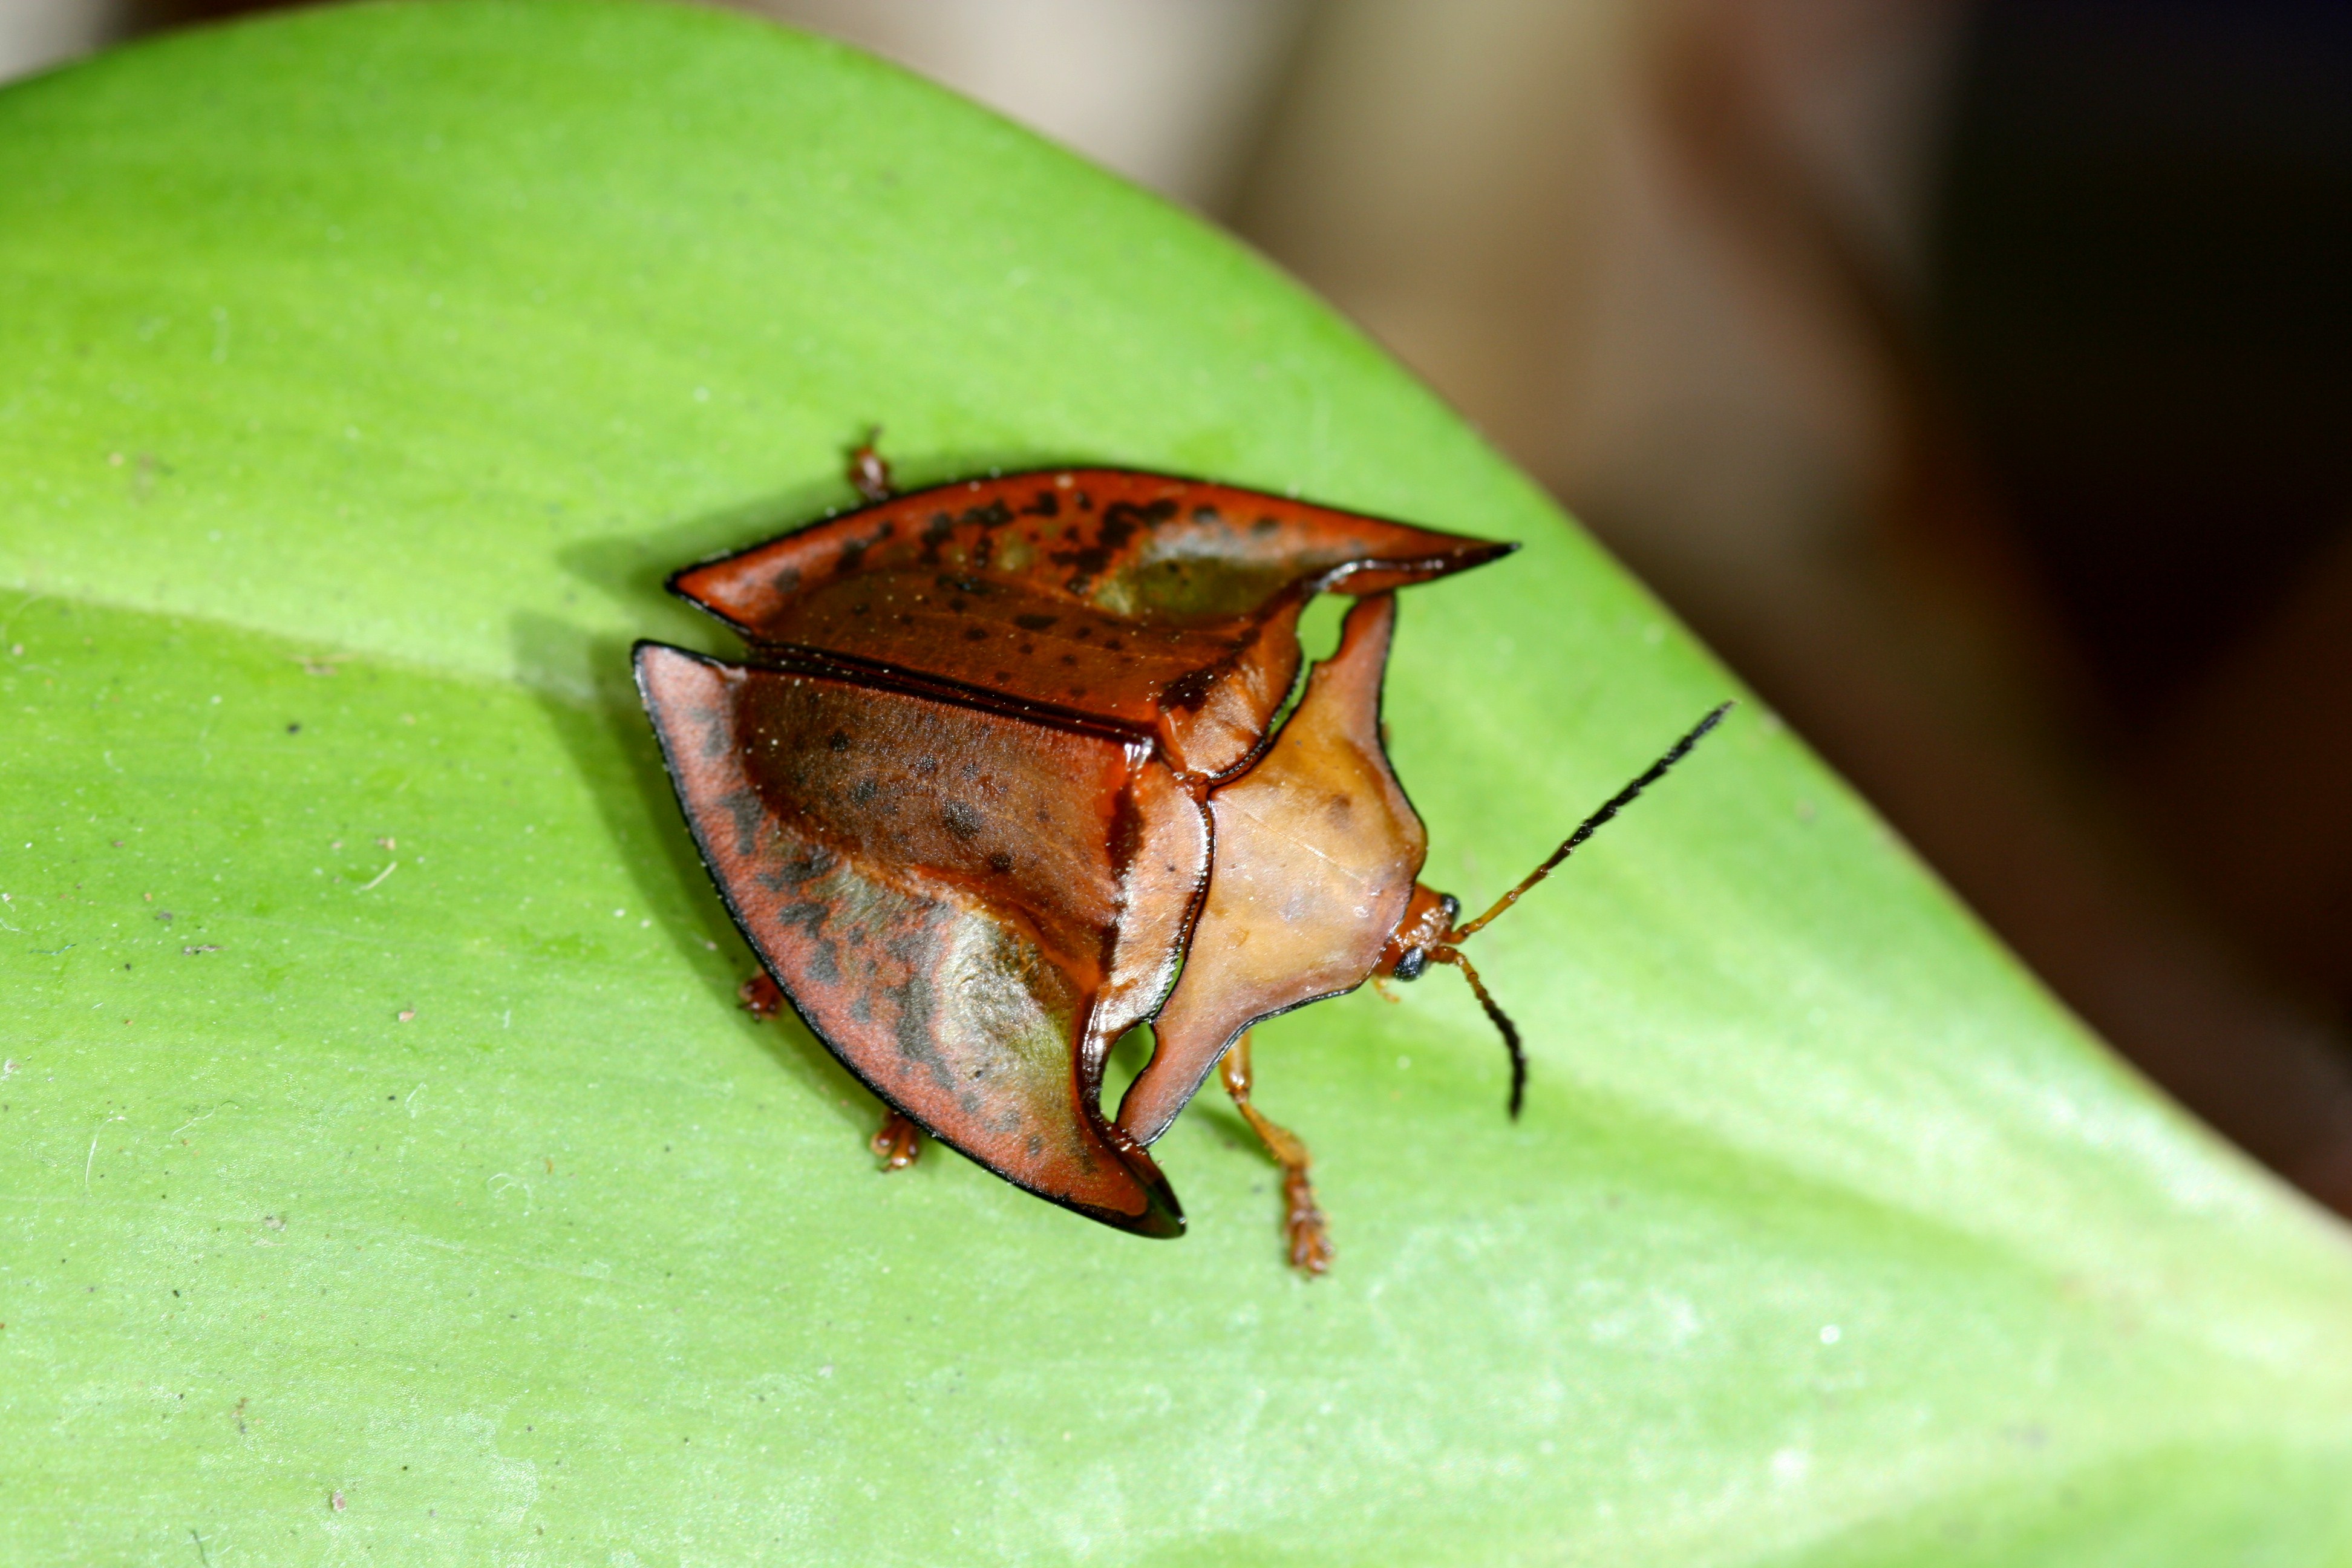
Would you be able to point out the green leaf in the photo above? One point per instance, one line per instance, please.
(385, 1166)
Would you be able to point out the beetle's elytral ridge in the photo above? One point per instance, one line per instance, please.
(1592, 825)
(798, 660)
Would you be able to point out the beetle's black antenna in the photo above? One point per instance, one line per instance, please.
(1501, 1020)
(1590, 825)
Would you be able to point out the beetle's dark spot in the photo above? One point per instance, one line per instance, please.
(925, 766)
(1086, 501)
(863, 792)
(786, 581)
(1044, 506)
(853, 553)
(1071, 660)
(1187, 691)
(1083, 631)
(975, 634)
(961, 818)
(824, 960)
(1120, 522)
(837, 741)
(918, 1002)
(1037, 1145)
(995, 515)
(1026, 648)
(935, 533)
(1206, 514)
(743, 807)
(1000, 862)
(1034, 622)
(1264, 526)
(957, 605)
(1077, 692)
(1002, 677)
(808, 864)
(1339, 809)
(1112, 644)
(976, 587)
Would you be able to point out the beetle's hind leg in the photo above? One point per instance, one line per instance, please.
(899, 1143)
(1302, 1222)
(759, 996)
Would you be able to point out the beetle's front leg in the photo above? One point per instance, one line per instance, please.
(899, 1143)
(1311, 1240)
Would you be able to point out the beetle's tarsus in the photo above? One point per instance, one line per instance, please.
(759, 996)
(1302, 1220)
(869, 472)
(899, 1143)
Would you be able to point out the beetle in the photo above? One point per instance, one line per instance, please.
(1006, 773)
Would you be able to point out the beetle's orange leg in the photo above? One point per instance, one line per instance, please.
(898, 1145)
(759, 996)
(869, 471)
(1310, 1241)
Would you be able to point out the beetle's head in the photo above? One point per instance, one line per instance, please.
(1429, 915)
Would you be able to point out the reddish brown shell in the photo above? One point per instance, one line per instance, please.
(962, 799)
(1155, 607)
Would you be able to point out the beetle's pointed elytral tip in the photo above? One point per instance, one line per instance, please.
(1164, 1219)
(1161, 1218)
(1161, 1222)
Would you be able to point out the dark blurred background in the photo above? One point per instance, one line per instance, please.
(1975, 374)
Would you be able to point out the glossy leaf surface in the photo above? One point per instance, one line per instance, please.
(418, 1192)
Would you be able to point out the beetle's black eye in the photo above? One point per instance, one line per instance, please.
(1409, 966)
